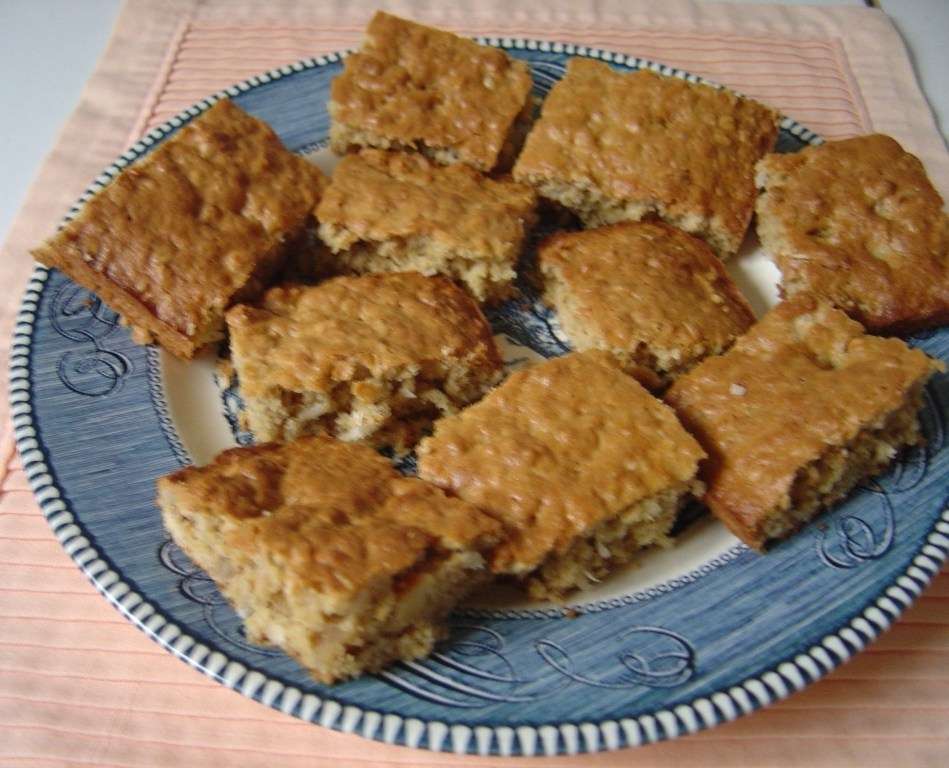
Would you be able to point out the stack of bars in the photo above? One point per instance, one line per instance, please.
(354, 313)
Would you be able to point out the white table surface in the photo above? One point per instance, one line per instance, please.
(49, 48)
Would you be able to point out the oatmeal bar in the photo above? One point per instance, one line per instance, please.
(582, 465)
(858, 223)
(376, 357)
(622, 147)
(649, 293)
(797, 413)
(326, 551)
(415, 88)
(392, 211)
(197, 225)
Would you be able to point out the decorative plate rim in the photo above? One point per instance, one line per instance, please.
(760, 689)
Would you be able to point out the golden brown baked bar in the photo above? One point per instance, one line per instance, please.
(197, 225)
(393, 211)
(796, 414)
(582, 465)
(649, 293)
(326, 551)
(622, 147)
(374, 358)
(857, 222)
(416, 88)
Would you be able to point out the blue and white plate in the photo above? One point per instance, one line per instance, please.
(695, 636)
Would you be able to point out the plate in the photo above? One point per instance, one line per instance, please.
(693, 637)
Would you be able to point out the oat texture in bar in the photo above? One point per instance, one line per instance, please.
(202, 222)
(583, 466)
(623, 147)
(799, 411)
(415, 88)
(326, 551)
(858, 223)
(392, 211)
(375, 358)
(649, 293)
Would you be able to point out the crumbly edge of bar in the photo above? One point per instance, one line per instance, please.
(333, 637)
(346, 138)
(394, 411)
(488, 277)
(596, 209)
(840, 469)
(611, 544)
(667, 364)
(769, 228)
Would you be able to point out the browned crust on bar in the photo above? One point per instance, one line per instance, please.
(559, 448)
(647, 292)
(858, 223)
(414, 87)
(391, 347)
(376, 196)
(312, 337)
(199, 223)
(619, 147)
(279, 496)
(327, 551)
(392, 211)
(803, 381)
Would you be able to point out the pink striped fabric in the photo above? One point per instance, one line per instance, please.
(808, 80)
(81, 687)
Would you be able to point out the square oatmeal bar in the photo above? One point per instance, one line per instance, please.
(858, 223)
(392, 211)
(416, 88)
(328, 552)
(581, 464)
(797, 413)
(650, 294)
(623, 147)
(201, 223)
(373, 358)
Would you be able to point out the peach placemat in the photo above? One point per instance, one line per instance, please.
(80, 686)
